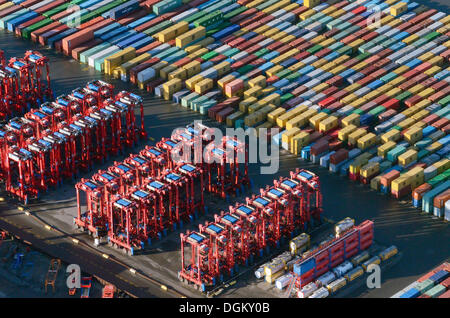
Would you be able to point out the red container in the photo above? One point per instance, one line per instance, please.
(148, 47)
(430, 119)
(222, 115)
(423, 67)
(379, 73)
(293, 102)
(421, 190)
(359, 10)
(370, 36)
(54, 31)
(384, 53)
(323, 52)
(339, 94)
(381, 99)
(9, 10)
(331, 33)
(85, 46)
(335, 80)
(29, 3)
(304, 46)
(49, 6)
(406, 85)
(369, 70)
(319, 147)
(35, 34)
(351, 62)
(339, 156)
(302, 55)
(446, 283)
(330, 91)
(150, 87)
(387, 178)
(439, 85)
(244, 15)
(446, 55)
(445, 295)
(446, 129)
(72, 41)
(440, 199)
(368, 106)
(386, 115)
(413, 100)
(335, 106)
(441, 123)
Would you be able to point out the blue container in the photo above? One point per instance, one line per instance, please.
(11, 25)
(123, 9)
(411, 293)
(304, 266)
(439, 276)
(427, 199)
(132, 39)
(51, 41)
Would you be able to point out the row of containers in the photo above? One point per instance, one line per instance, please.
(282, 269)
(62, 138)
(358, 87)
(242, 234)
(434, 284)
(152, 192)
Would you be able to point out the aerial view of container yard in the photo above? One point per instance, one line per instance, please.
(232, 152)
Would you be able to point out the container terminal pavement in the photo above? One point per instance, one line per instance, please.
(360, 88)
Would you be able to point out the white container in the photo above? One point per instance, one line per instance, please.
(342, 269)
(222, 48)
(325, 279)
(343, 226)
(266, 42)
(259, 273)
(447, 211)
(322, 292)
(307, 290)
(283, 281)
(430, 172)
(183, 15)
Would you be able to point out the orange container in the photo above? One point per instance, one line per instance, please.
(440, 199)
(421, 190)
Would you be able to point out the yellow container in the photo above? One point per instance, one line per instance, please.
(172, 32)
(413, 135)
(259, 128)
(349, 98)
(407, 157)
(398, 8)
(282, 120)
(408, 122)
(256, 106)
(321, 87)
(243, 105)
(190, 82)
(375, 183)
(298, 142)
(197, 53)
(199, 45)
(442, 165)
(391, 135)
(311, 3)
(273, 115)
(164, 73)
(296, 66)
(352, 119)
(258, 81)
(255, 91)
(354, 136)
(370, 169)
(123, 71)
(203, 86)
(367, 141)
(385, 148)
(401, 69)
(433, 70)
(231, 119)
(273, 70)
(344, 132)
(170, 87)
(190, 36)
(179, 73)
(192, 68)
(305, 15)
(328, 124)
(358, 103)
(272, 99)
(222, 68)
(315, 120)
(118, 59)
(287, 135)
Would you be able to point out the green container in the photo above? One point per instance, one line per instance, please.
(315, 48)
(292, 77)
(440, 178)
(186, 100)
(345, 50)
(403, 96)
(210, 19)
(196, 102)
(245, 69)
(234, 13)
(283, 73)
(444, 101)
(206, 105)
(159, 27)
(425, 286)
(358, 111)
(422, 153)
(431, 36)
(56, 10)
(195, 16)
(362, 56)
(436, 291)
(285, 98)
(209, 55)
(261, 52)
(231, 52)
(377, 110)
(388, 77)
